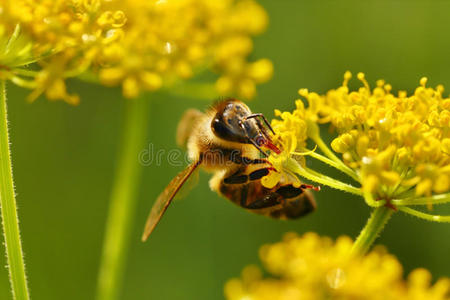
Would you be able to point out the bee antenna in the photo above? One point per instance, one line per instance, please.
(260, 115)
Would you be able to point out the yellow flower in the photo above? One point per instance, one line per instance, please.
(63, 36)
(396, 143)
(314, 267)
(396, 147)
(291, 135)
(140, 44)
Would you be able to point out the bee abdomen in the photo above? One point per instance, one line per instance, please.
(281, 202)
(296, 208)
(289, 191)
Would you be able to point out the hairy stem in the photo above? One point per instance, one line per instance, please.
(294, 166)
(371, 230)
(335, 165)
(435, 199)
(425, 216)
(10, 221)
(314, 134)
(368, 197)
(327, 151)
(123, 200)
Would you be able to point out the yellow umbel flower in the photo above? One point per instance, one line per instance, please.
(396, 143)
(139, 44)
(396, 147)
(63, 36)
(291, 135)
(313, 268)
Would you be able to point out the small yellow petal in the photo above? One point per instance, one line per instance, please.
(271, 180)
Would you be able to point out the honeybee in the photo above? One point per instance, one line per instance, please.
(231, 142)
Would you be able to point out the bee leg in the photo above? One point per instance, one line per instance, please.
(309, 186)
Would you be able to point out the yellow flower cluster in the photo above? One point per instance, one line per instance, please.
(139, 44)
(398, 146)
(291, 135)
(64, 37)
(313, 268)
(397, 143)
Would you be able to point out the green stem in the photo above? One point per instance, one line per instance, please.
(123, 200)
(335, 165)
(314, 134)
(425, 216)
(368, 197)
(435, 199)
(23, 83)
(309, 174)
(16, 265)
(370, 232)
(327, 151)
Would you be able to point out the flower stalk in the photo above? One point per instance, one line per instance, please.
(395, 147)
(435, 199)
(425, 216)
(123, 200)
(372, 229)
(294, 166)
(335, 165)
(10, 221)
(314, 134)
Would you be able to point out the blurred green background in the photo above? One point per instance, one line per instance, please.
(64, 160)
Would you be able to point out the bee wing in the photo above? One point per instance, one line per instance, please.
(186, 124)
(164, 199)
(190, 183)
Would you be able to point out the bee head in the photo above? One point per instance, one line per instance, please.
(235, 122)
